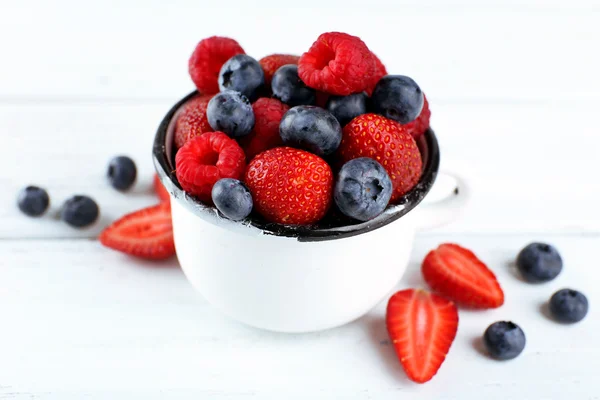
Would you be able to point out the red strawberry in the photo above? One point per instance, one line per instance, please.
(290, 186)
(208, 58)
(271, 63)
(418, 127)
(379, 72)
(386, 141)
(192, 120)
(205, 159)
(147, 233)
(265, 134)
(458, 274)
(160, 190)
(422, 327)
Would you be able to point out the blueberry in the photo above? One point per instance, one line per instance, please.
(397, 97)
(79, 211)
(232, 198)
(121, 172)
(539, 262)
(568, 305)
(363, 189)
(230, 112)
(346, 108)
(504, 340)
(33, 201)
(289, 89)
(243, 74)
(311, 128)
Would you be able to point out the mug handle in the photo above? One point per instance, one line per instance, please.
(442, 212)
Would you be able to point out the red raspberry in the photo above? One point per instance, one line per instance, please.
(208, 58)
(379, 72)
(417, 127)
(192, 121)
(265, 134)
(290, 186)
(205, 159)
(386, 141)
(337, 63)
(271, 63)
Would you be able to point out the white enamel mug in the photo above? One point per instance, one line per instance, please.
(298, 279)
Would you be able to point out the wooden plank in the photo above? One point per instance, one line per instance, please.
(460, 50)
(83, 322)
(528, 164)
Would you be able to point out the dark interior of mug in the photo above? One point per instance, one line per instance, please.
(334, 225)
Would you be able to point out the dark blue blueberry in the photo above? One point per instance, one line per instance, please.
(363, 189)
(346, 108)
(243, 74)
(504, 340)
(397, 97)
(289, 89)
(121, 172)
(33, 201)
(568, 305)
(539, 262)
(311, 128)
(232, 198)
(230, 112)
(80, 211)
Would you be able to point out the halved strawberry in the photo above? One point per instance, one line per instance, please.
(458, 274)
(422, 327)
(160, 190)
(147, 233)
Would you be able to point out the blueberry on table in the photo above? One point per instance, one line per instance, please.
(122, 172)
(289, 89)
(33, 201)
(230, 112)
(346, 108)
(397, 97)
(504, 340)
(539, 262)
(243, 74)
(568, 305)
(363, 189)
(311, 128)
(80, 211)
(232, 198)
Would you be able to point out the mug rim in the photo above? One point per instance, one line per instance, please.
(164, 165)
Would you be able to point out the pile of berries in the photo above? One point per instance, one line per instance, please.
(289, 137)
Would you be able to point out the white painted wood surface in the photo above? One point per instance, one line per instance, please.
(514, 93)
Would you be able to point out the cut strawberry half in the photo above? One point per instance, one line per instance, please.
(458, 274)
(422, 327)
(147, 233)
(160, 190)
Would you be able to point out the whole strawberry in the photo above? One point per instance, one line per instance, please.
(387, 142)
(290, 186)
(192, 120)
(265, 134)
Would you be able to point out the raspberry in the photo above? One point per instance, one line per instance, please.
(271, 63)
(387, 142)
(417, 127)
(205, 159)
(290, 186)
(379, 72)
(337, 63)
(208, 58)
(192, 121)
(265, 135)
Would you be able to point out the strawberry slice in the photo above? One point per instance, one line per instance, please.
(160, 190)
(458, 274)
(147, 233)
(422, 327)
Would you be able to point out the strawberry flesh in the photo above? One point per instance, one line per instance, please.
(457, 273)
(160, 190)
(422, 327)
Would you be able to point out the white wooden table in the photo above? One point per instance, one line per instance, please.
(514, 90)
